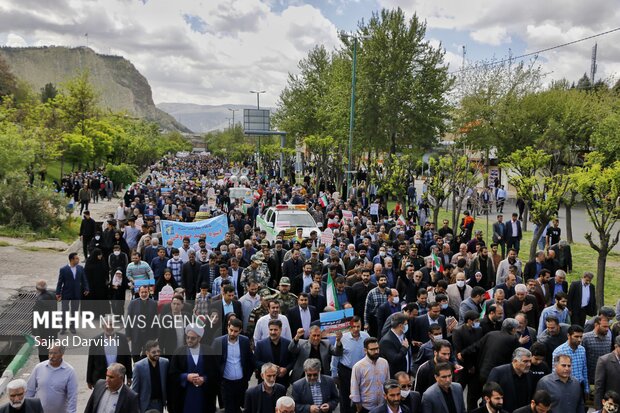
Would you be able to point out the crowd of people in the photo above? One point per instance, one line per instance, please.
(442, 322)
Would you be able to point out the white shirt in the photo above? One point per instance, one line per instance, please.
(305, 320)
(585, 294)
(56, 387)
(515, 230)
(261, 330)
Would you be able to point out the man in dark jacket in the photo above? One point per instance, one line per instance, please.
(99, 361)
(263, 397)
(515, 379)
(394, 346)
(582, 299)
(88, 228)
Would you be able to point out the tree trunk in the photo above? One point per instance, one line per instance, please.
(600, 276)
(436, 215)
(569, 224)
(524, 222)
(534, 245)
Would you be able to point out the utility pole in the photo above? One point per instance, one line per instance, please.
(258, 92)
(593, 65)
(233, 118)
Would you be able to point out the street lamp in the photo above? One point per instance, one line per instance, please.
(258, 92)
(355, 38)
(233, 118)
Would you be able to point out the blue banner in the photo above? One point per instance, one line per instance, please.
(212, 230)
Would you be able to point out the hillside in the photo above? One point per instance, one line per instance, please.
(120, 85)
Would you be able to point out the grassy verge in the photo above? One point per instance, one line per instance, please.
(67, 232)
(584, 257)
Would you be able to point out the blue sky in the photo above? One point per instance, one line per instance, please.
(215, 51)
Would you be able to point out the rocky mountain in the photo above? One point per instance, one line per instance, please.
(205, 118)
(119, 83)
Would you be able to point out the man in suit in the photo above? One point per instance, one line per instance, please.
(394, 346)
(313, 347)
(421, 323)
(263, 397)
(144, 308)
(434, 399)
(71, 286)
(107, 348)
(317, 299)
(499, 228)
(152, 393)
(408, 398)
(302, 315)
(522, 302)
(17, 400)
(515, 379)
(192, 376)
(557, 284)
(582, 299)
(226, 305)
(532, 268)
(563, 254)
(274, 350)
(606, 374)
(235, 362)
(393, 399)
(513, 233)
(492, 399)
(312, 394)
(385, 310)
(458, 292)
(127, 401)
(190, 271)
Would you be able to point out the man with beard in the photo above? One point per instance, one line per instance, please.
(262, 398)
(484, 265)
(515, 379)
(558, 311)
(190, 272)
(493, 397)
(375, 298)
(367, 378)
(504, 266)
(443, 396)
(17, 401)
(522, 302)
(150, 377)
(465, 335)
(392, 395)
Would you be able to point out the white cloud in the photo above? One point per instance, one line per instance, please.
(491, 35)
(533, 23)
(199, 51)
(14, 40)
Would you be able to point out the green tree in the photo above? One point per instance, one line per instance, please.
(16, 152)
(8, 81)
(402, 83)
(48, 92)
(438, 184)
(79, 101)
(530, 173)
(606, 139)
(599, 187)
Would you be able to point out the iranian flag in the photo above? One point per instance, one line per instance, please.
(487, 296)
(323, 200)
(401, 220)
(332, 301)
(437, 264)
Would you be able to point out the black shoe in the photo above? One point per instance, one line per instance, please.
(72, 329)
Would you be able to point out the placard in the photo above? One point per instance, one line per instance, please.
(333, 321)
(327, 237)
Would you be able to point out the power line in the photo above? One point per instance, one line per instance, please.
(539, 51)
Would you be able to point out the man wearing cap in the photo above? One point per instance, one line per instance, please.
(287, 299)
(257, 271)
(192, 375)
(260, 310)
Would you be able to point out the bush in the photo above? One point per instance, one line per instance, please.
(38, 208)
(122, 174)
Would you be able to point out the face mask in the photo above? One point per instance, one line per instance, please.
(460, 284)
(406, 329)
(117, 253)
(395, 300)
(444, 306)
(176, 257)
(477, 324)
(438, 337)
(97, 237)
(404, 393)
(382, 253)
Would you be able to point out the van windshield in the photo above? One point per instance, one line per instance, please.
(296, 219)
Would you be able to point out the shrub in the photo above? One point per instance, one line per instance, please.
(122, 174)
